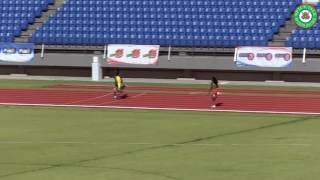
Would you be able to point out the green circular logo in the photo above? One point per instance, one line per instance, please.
(305, 16)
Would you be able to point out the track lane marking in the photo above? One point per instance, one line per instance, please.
(114, 101)
(164, 109)
(89, 99)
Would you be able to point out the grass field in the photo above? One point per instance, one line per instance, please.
(54, 143)
(38, 143)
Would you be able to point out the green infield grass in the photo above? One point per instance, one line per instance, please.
(104, 144)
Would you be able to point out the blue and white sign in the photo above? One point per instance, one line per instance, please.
(276, 57)
(311, 1)
(16, 52)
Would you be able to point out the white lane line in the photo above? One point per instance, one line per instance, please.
(151, 144)
(164, 109)
(89, 99)
(114, 101)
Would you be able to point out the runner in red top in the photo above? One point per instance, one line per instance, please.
(214, 91)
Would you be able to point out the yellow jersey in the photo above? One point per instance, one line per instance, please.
(118, 82)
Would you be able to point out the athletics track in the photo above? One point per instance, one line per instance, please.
(167, 98)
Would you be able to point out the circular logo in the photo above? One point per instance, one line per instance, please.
(269, 56)
(287, 57)
(250, 56)
(305, 16)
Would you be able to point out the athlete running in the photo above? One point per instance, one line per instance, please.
(119, 86)
(214, 91)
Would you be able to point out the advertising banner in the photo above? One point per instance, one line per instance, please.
(276, 57)
(16, 52)
(311, 1)
(133, 54)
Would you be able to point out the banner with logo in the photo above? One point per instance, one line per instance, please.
(264, 56)
(16, 52)
(311, 1)
(133, 54)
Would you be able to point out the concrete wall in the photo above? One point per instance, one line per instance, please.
(176, 62)
(200, 67)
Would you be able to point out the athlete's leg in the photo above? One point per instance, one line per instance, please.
(115, 92)
(214, 97)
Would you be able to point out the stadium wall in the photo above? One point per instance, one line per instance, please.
(199, 67)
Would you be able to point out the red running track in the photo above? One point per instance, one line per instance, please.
(197, 102)
(186, 89)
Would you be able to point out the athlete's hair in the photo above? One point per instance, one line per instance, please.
(214, 80)
(117, 72)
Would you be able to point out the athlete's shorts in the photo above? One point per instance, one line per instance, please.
(215, 91)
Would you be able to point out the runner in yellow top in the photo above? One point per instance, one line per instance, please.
(118, 82)
(119, 87)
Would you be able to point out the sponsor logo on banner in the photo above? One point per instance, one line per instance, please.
(16, 52)
(133, 54)
(311, 1)
(264, 56)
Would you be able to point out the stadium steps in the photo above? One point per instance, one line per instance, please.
(25, 34)
(280, 38)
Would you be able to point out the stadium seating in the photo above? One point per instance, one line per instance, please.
(305, 38)
(15, 15)
(212, 23)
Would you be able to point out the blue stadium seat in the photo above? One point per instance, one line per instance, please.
(15, 15)
(226, 23)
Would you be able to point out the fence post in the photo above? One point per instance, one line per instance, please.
(105, 52)
(235, 55)
(304, 55)
(42, 51)
(169, 53)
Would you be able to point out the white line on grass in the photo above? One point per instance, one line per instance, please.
(224, 83)
(43, 142)
(150, 144)
(164, 109)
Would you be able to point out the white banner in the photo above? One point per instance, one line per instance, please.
(133, 54)
(263, 56)
(311, 1)
(16, 52)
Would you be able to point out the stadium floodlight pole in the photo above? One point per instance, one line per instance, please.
(42, 51)
(304, 55)
(169, 53)
(235, 55)
(105, 51)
